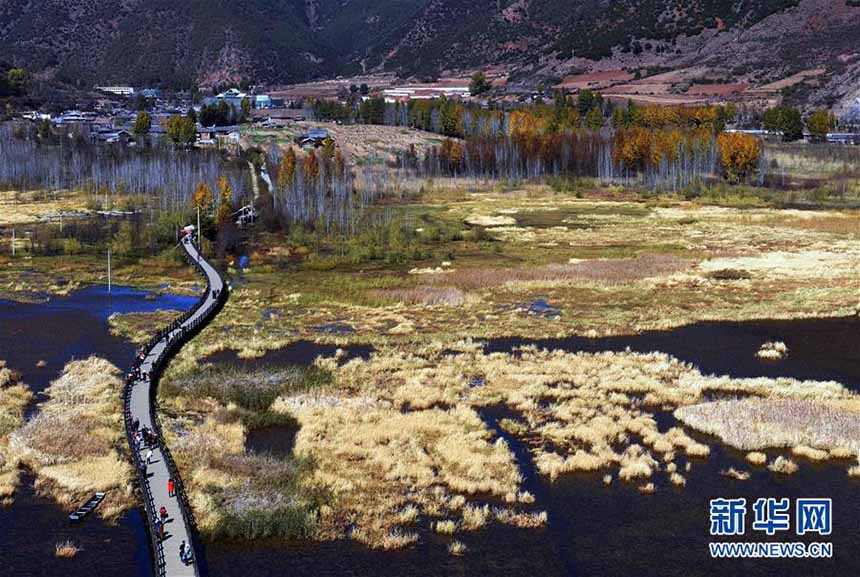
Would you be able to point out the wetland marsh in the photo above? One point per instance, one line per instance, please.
(513, 378)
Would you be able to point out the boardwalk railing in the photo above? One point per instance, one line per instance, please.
(174, 337)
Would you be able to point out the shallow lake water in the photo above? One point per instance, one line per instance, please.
(73, 327)
(593, 530)
(57, 331)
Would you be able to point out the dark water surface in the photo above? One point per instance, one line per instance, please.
(300, 353)
(73, 327)
(819, 349)
(593, 530)
(56, 332)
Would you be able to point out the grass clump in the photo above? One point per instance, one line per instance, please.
(783, 465)
(457, 548)
(810, 453)
(66, 550)
(756, 457)
(14, 398)
(736, 474)
(521, 519)
(774, 351)
(76, 444)
(514, 426)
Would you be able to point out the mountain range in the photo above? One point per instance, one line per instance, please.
(218, 42)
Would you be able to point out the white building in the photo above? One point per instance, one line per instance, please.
(118, 90)
(424, 92)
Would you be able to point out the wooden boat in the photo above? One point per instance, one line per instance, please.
(87, 508)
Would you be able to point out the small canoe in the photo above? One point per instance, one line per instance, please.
(87, 508)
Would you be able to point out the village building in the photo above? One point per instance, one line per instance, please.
(424, 92)
(118, 90)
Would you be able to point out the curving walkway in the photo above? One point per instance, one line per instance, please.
(141, 406)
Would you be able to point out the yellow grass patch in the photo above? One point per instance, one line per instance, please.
(76, 442)
(66, 550)
(756, 458)
(783, 465)
(457, 548)
(371, 458)
(14, 397)
(762, 423)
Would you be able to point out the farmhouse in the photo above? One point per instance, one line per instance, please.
(215, 134)
(313, 138)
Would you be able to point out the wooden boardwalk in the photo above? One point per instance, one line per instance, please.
(141, 406)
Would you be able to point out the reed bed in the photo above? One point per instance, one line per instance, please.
(234, 492)
(426, 296)
(75, 444)
(378, 461)
(808, 426)
(783, 465)
(14, 398)
(595, 411)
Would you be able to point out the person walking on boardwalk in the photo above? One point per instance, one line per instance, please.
(163, 513)
(148, 456)
(135, 424)
(171, 487)
(158, 527)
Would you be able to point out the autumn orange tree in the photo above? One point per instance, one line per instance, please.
(632, 147)
(451, 154)
(287, 169)
(203, 197)
(739, 154)
(225, 207)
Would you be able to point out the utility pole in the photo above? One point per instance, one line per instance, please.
(198, 224)
(109, 280)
